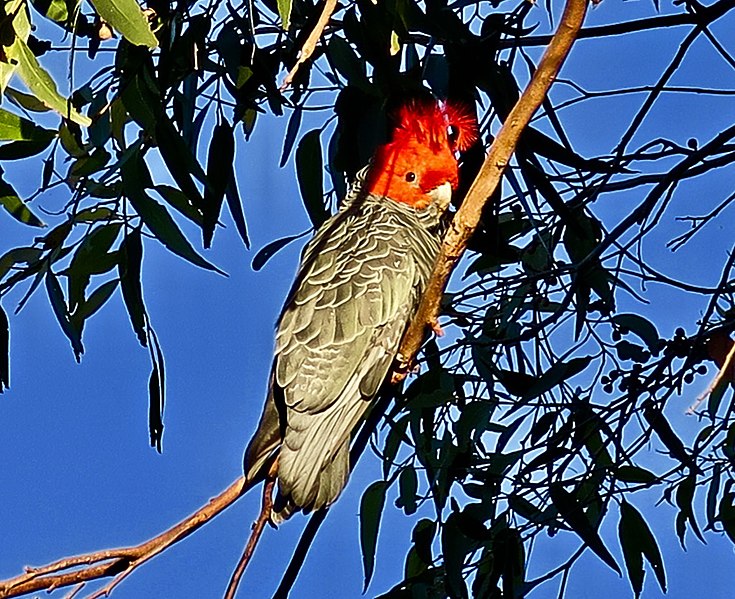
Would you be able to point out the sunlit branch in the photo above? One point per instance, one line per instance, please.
(468, 216)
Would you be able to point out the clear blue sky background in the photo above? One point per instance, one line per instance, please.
(76, 472)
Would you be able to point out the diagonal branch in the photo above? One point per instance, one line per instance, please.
(310, 44)
(468, 216)
(118, 563)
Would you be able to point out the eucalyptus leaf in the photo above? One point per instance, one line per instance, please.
(371, 511)
(126, 17)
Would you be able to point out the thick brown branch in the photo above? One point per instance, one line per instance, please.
(310, 44)
(468, 216)
(118, 562)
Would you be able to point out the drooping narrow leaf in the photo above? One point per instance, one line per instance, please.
(269, 250)
(131, 258)
(97, 299)
(371, 511)
(234, 203)
(155, 216)
(637, 541)
(12, 203)
(17, 150)
(309, 172)
(25, 101)
(4, 351)
(41, 84)
(180, 201)
(180, 161)
(654, 416)
(727, 514)
(573, 514)
(91, 257)
(292, 130)
(18, 128)
(20, 28)
(156, 391)
(284, 11)
(56, 297)
(684, 500)
(126, 17)
(219, 174)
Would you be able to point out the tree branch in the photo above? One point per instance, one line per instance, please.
(120, 562)
(258, 527)
(310, 44)
(468, 216)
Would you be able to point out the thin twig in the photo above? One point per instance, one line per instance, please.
(258, 527)
(310, 44)
(468, 216)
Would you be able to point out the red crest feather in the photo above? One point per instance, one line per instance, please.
(436, 123)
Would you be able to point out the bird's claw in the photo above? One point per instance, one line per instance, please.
(437, 328)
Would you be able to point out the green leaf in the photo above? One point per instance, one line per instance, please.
(654, 416)
(141, 98)
(180, 161)
(371, 511)
(631, 351)
(284, 11)
(21, 255)
(310, 176)
(558, 373)
(219, 173)
(12, 203)
(89, 165)
(270, 249)
(41, 84)
(155, 216)
(234, 204)
(91, 258)
(635, 474)
(180, 201)
(727, 514)
(126, 17)
(712, 493)
(573, 514)
(4, 351)
(684, 500)
(637, 542)
(292, 129)
(407, 489)
(25, 101)
(393, 441)
(455, 547)
(17, 150)
(639, 326)
(156, 391)
(129, 267)
(346, 62)
(19, 28)
(56, 297)
(18, 128)
(97, 299)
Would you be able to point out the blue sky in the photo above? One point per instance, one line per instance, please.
(76, 472)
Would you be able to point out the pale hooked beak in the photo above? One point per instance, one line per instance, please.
(442, 195)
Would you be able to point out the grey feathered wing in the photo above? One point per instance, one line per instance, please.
(337, 337)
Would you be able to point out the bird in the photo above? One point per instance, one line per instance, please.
(358, 285)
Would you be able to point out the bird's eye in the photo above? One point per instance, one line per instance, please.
(410, 177)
